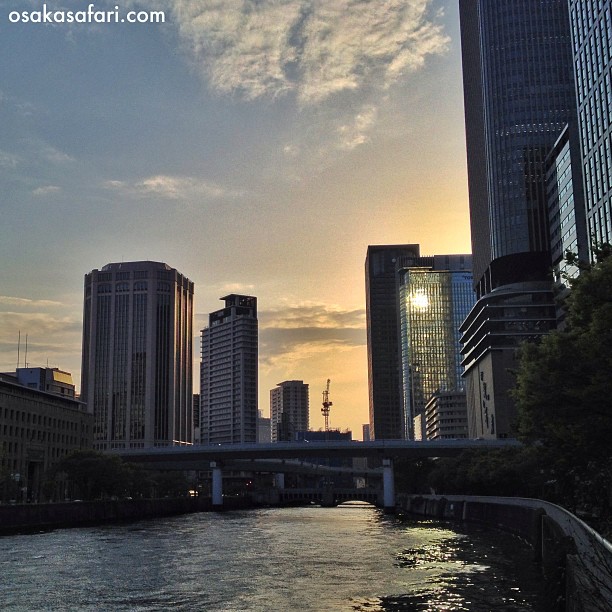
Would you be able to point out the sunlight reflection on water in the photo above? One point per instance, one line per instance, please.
(311, 559)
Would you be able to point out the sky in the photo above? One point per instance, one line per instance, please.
(257, 146)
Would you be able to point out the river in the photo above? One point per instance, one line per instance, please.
(350, 558)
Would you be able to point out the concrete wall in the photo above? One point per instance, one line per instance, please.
(576, 561)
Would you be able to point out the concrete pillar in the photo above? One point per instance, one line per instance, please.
(388, 486)
(217, 485)
(279, 481)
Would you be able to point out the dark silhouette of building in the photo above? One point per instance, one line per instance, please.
(384, 376)
(289, 410)
(138, 355)
(519, 96)
(38, 427)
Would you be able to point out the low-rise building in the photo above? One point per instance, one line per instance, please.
(37, 429)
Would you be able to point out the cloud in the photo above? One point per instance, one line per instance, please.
(35, 324)
(240, 288)
(353, 134)
(8, 300)
(8, 160)
(314, 49)
(172, 188)
(56, 156)
(305, 332)
(51, 338)
(46, 190)
(311, 315)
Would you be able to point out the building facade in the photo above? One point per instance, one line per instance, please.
(519, 96)
(387, 419)
(591, 27)
(289, 410)
(446, 416)
(37, 429)
(434, 300)
(228, 373)
(137, 355)
(566, 210)
(492, 333)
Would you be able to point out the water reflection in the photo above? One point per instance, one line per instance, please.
(307, 559)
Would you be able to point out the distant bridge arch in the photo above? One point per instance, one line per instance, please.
(320, 496)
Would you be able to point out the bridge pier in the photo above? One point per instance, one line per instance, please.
(217, 485)
(279, 480)
(388, 486)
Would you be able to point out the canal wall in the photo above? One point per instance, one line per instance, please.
(576, 561)
(35, 517)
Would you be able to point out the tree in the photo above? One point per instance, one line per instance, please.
(94, 474)
(564, 389)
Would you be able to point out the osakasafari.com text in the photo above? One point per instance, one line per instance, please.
(89, 15)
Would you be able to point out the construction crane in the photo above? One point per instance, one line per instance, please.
(326, 405)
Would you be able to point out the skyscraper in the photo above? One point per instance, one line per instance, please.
(591, 22)
(519, 96)
(137, 355)
(228, 373)
(435, 296)
(382, 314)
(288, 410)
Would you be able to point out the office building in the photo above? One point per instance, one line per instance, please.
(228, 373)
(37, 429)
(384, 376)
(591, 27)
(446, 416)
(137, 355)
(52, 380)
(435, 296)
(289, 410)
(519, 96)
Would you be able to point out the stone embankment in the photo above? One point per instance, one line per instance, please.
(576, 561)
(36, 517)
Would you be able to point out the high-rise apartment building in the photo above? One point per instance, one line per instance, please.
(435, 296)
(591, 27)
(289, 410)
(137, 355)
(382, 313)
(228, 373)
(519, 96)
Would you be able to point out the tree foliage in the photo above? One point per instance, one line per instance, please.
(94, 475)
(564, 388)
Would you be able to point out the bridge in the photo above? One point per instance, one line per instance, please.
(326, 497)
(222, 456)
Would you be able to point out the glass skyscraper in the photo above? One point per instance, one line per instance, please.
(519, 96)
(433, 301)
(138, 355)
(591, 26)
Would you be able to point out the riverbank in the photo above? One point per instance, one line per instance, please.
(21, 518)
(576, 561)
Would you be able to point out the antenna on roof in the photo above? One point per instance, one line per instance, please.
(25, 359)
(18, 348)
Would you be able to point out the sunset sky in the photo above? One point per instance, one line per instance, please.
(258, 146)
